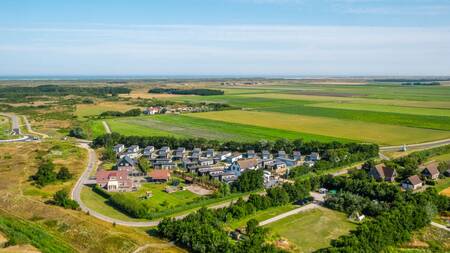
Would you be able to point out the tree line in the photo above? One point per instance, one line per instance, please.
(200, 92)
(60, 90)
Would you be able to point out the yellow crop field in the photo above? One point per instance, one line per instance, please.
(357, 130)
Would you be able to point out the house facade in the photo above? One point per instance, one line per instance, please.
(412, 183)
(114, 181)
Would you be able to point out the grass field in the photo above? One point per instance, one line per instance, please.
(312, 230)
(181, 125)
(84, 110)
(369, 132)
(162, 200)
(263, 215)
(98, 203)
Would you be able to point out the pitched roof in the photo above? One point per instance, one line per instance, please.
(247, 163)
(103, 176)
(432, 168)
(127, 159)
(383, 171)
(414, 180)
(160, 174)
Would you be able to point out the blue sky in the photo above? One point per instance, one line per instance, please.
(225, 37)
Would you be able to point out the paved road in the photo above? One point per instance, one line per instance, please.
(417, 146)
(106, 126)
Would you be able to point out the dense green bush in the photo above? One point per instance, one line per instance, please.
(200, 92)
(61, 198)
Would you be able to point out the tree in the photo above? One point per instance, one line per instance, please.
(45, 174)
(77, 132)
(143, 164)
(109, 154)
(64, 174)
(249, 181)
(367, 166)
(224, 190)
(252, 225)
(61, 198)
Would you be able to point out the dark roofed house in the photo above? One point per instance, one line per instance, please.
(383, 173)
(159, 175)
(266, 155)
(251, 154)
(281, 154)
(149, 150)
(431, 171)
(412, 183)
(242, 165)
(209, 153)
(118, 148)
(126, 163)
(297, 155)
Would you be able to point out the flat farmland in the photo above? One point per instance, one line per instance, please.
(186, 126)
(84, 110)
(386, 114)
(312, 230)
(362, 131)
(386, 108)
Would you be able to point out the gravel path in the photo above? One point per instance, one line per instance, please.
(289, 213)
(106, 126)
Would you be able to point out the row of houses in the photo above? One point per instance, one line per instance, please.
(383, 173)
(224, 165)
(152, 110)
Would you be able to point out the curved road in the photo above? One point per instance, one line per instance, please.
(76, 195)
(92, 161)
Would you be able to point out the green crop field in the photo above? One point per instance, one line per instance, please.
(369, 132)
(383, 113)
(312, 230)
(181, 125)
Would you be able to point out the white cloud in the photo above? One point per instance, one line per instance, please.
(201, 49)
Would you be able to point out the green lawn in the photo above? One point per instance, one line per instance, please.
(263, 215)
(162, 200)
(313, 229)
(98, 203)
